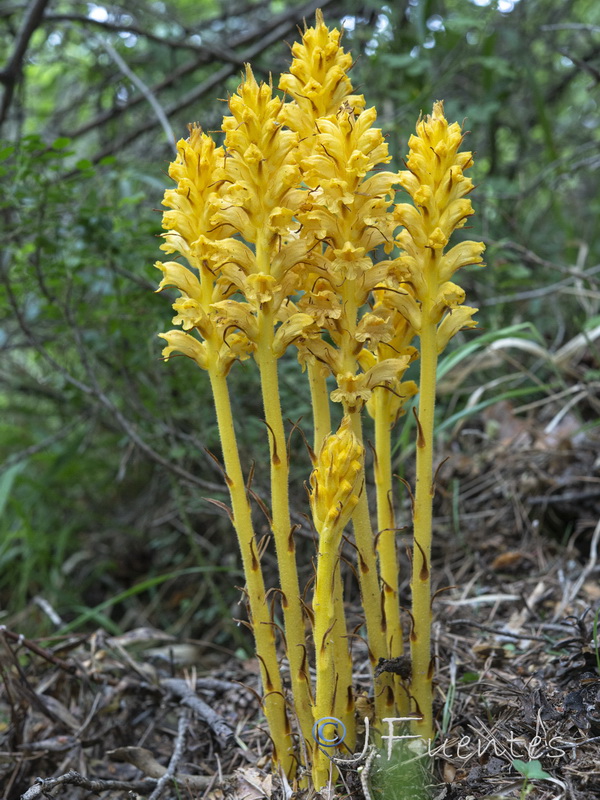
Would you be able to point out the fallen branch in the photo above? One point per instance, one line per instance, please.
(73, 778)
(189, 698)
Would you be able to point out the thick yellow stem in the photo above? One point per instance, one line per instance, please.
(320, 403)
(327, 629)
(281, 524)
(370, 591)
(344, 695)
(422, 666)
(274, 701)
(386, 540)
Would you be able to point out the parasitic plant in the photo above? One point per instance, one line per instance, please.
(293, 239)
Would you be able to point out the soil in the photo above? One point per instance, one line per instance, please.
(515, 638)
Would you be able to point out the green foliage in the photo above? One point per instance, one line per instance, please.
(531, 771)
(81, 371)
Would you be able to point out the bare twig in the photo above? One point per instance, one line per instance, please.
(572, 590)
(9, 76)
(176, 757)
(48, 655)
(222, 53)
(73, 778)
(189, 698)
(257, 40)
(96, 392)
(146, 763)
(158, 109)
(275, 33)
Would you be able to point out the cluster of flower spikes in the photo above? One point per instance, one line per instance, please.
(285, 223)
(321, 139)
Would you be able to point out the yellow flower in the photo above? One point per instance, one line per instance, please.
(461, 255)
(456, 320)
(375, 327)
(187, 345)
(437, 185)
(296, 327)
(333, 482)
(349, 262)
(355, 390)
(259, 169)
(349, 207)
(317, 82)
(191, 202)
(175, 274)
(190, 314)
(232, 314)
(322, 304)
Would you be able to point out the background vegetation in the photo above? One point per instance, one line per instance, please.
(103, 447)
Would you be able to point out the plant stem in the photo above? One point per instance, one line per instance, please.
(386, 540)
(422, 665)
(327, 630)
(361, 518)
(262, 627)
(281, 525)
(344, 696)
(319, 397)
(369, 589)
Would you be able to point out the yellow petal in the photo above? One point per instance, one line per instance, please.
(449, 296)
(461, 255)
(455, 320)
(175, 274)
(293, 328)
(187, 345)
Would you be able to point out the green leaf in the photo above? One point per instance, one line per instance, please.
(469, 677)
(6, 481)
(61, 143)
(532, 770)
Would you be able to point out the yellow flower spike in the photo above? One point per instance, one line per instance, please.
(259, 167)
(192, 204)
(318, 85)
(436, 183)
(317, 82)
(333, 481)
(335, 486)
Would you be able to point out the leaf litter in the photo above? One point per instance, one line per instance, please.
(515, 642)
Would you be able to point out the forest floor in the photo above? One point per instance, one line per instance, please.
(515, 638)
